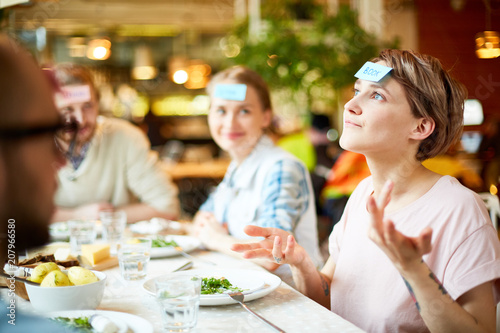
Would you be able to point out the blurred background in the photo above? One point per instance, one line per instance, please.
(153, 58)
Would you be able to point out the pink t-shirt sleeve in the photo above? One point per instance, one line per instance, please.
(474, 262)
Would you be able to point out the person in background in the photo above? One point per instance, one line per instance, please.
(414, 251)
(489, 153)
(110, 163)
(450, 163)
(29, 160)
(312, 147)
(349, 170)
(264, 185)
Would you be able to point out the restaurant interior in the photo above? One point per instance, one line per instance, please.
(152, 60)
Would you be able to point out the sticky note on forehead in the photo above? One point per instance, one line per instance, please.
(372, 72)
(233, 92)
(73, 94)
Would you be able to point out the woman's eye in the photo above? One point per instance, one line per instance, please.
(220, 111)
(244, 111)
(355, 92)
(378, 97)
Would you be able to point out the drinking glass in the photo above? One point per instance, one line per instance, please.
(133, 257)
(81, 231)
(113, 226)
(179, 298)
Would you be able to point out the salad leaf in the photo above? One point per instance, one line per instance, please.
(80, 323)
(159, 242)
(212, 285)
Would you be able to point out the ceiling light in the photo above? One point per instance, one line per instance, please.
(180, 76)
(488, 44)
(99, 49)
(144, 67)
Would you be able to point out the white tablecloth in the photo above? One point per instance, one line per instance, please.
(285, 307)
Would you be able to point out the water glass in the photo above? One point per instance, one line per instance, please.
(113, 226)
(179, 298)
(133, 257)
(81, 232)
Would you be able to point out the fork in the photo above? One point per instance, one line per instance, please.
(239, 297)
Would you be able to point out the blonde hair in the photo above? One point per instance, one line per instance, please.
(432, 93)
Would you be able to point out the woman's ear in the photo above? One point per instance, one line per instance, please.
(268, 116)
(424, 127)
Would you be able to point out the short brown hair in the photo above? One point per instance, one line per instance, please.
(432, 93)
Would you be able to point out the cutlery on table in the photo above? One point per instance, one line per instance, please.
(186, 255)
(239, 297)
(184, 267)
(19, 279)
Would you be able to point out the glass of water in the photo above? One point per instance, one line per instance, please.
(113, 226)
(81, 231)
(133, 257)
(179, 298)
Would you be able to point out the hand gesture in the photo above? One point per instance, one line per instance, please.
(272, 247)
(91, 211)
(403, 251)
(206, 228)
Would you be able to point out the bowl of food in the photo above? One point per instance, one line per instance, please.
(74, 289)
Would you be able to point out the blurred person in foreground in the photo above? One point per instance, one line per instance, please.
(110, 163)
(264, 185)
(29, 160)
(414, 251)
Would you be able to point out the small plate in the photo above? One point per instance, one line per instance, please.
(256, 284)
(59, 230)
(125, 322)
(187, 243)
(154, 226)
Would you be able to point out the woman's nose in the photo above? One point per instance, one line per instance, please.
(352, 106)
(229, 119)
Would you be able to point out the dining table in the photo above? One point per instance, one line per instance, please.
(284, 306)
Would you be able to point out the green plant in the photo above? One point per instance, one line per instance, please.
(313, 58)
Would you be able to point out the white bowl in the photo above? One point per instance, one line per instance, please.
(87, 296)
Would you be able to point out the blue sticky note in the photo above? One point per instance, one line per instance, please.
(372, 72)
(233, 92)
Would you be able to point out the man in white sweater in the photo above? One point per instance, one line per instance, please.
(110, 163)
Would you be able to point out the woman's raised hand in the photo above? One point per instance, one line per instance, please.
(278, 246)
(403, 251)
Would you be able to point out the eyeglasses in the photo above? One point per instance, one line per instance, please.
(19, 133)
(59, 127)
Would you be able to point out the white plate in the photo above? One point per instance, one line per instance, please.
(154, 226)
(187, 243)
(60, 231)
(126, 322)
(257, 283)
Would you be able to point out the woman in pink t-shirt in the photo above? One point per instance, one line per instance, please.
(414, 251)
